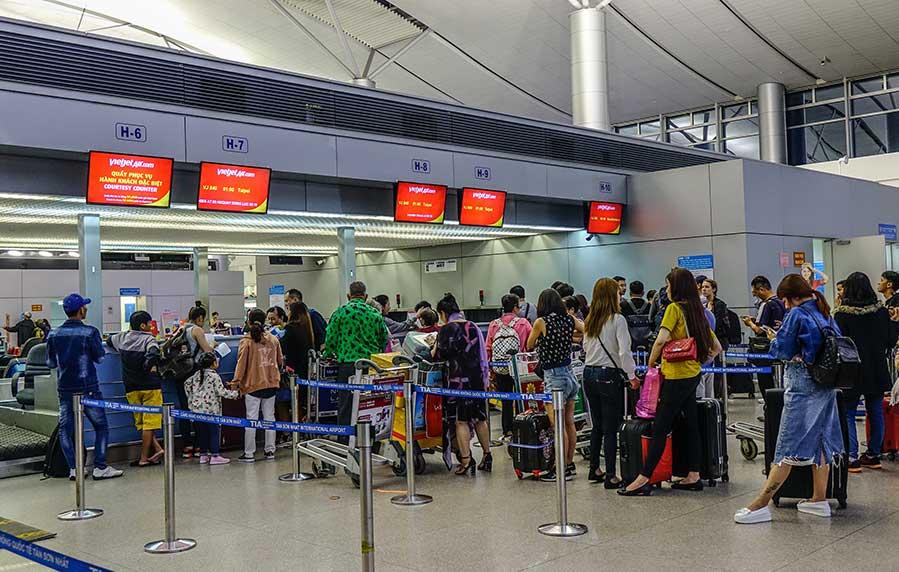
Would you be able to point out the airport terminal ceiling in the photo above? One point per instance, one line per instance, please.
(513, 55)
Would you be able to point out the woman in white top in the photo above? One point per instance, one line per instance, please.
(610, 364)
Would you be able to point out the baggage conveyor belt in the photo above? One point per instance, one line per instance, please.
(21, 451)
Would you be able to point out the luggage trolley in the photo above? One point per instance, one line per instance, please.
(749, 433)
(428, 409)
(524, 366)
(374, 406)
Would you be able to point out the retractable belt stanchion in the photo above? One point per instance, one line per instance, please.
(367, 531)
(170, 543)
(80, 512)
(296, 475)
(777, 368)
(410, 498)
(562, 527)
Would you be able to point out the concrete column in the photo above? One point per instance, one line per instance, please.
(90, 280)
(589, 69)
(346, 260)
(201, 276)
(772, 123)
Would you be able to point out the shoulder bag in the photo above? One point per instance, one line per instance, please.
(680, 350)
(837, 364)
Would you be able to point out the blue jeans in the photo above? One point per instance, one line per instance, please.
(97, 418)
(562, 378)
(874, 407)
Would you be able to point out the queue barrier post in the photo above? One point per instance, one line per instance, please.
(367, 524)
(562, 528)
(410, 498)
(171, 543)
(80, 512)
(777, 368)
(295, 476)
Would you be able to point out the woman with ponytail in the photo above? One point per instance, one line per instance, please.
(809, 426)
(258, 374)
(684, 318)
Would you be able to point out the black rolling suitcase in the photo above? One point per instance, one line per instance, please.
(740, 383)
(532, 444)
(634, 437)
(799, 484)
(712, 440)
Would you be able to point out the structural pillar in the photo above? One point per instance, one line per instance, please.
(346, 260)
(90, 280)
(589, 69)
(201, 276)
(772, 122)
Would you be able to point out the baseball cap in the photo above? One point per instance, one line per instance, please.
(74, 302)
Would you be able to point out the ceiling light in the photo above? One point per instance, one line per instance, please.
(45, 254)
(15, 253)
(73, 254)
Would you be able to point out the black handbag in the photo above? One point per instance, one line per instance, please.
(837, 364)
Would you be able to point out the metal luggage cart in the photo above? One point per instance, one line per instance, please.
(749, 433)
(376, 406)
(321, 404)
(524, 366)
(427, 374)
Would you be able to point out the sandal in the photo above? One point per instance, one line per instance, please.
(137, 463)
(156, 457)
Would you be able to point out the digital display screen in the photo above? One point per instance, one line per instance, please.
(480, 207)
(420, 202)
(233, 189)
(129, 180)
(604, 218)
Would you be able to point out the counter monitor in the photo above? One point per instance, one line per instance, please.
(420, 202)
(604, 218)
(233, 188)
(481, 207)
(129, 180)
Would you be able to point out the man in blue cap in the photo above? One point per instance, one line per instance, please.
(75, 348)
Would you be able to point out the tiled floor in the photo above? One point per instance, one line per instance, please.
(245, 519)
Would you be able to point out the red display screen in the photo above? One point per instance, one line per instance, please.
(420, 202)
(604, 218)
(233, 189)
(129, 180)
(480, 207)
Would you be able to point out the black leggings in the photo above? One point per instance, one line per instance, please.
(506, 384)
(676, 396)
(185, 426)
(606, 399)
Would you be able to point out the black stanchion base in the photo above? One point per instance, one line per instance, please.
(165, 547)
(83, 514)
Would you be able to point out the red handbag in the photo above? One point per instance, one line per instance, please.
(680, 350)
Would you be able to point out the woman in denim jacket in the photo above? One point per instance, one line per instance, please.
(810, 425)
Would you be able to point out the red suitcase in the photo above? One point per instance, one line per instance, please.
(890, 429)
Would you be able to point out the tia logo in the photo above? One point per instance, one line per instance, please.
(234, 173)
(137, 163)
(483, 195)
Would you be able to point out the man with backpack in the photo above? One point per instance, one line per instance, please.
(636, 311)
(75, 349)
(506, 336)
(140, 354)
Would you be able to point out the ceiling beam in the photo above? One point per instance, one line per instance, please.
(409, 45)
(286, 13)
(341, 36)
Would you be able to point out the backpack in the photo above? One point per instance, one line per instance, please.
(506, 343)
(734, 332)
(55, 465)
(176, 361)
(837, 364)
(639, 325)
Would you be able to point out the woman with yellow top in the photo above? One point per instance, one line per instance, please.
(684, 318)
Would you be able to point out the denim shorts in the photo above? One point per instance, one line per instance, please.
(561, 378)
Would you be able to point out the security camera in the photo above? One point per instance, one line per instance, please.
(844, 159)
(320, 262)
(824, 61)
(590, 237)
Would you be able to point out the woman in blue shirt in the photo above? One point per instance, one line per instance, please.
(809, 426)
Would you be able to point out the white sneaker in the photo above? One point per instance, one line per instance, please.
(109, 472)
(71, 474)
(761, 402)
(746, 516)
(820, 508)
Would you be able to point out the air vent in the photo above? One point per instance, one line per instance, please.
(148, 77)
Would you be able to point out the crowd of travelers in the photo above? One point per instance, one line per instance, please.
(619, 321)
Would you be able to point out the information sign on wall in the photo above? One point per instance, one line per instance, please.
(419, 202)
(887, 230)
(129, 180)
(480, 207)
(703, 264)
(437, 266)
(798, 258)
(233, 188)
(37, 307)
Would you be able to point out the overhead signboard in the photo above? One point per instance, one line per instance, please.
(129, 180)
(604, 218)
(233, 188)
(420, 202)
(480, 207)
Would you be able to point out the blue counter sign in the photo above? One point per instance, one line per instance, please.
(887, 230)
(233, 144)
(129, 291)
(696, 262)
(421, 166)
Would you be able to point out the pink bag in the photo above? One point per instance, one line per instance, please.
(649, 394)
